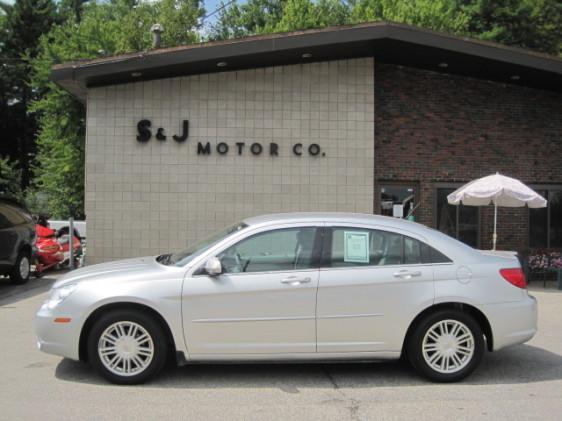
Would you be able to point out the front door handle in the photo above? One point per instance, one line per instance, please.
(293, 280)
(406, 274)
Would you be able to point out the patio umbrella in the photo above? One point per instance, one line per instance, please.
(499, 190)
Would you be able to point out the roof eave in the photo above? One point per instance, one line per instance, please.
(276, 49)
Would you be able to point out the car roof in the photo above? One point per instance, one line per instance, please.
(436, 238)
(343, 217)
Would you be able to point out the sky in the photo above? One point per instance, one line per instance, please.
(210, 7)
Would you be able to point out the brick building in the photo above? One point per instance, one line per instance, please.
(374, 118)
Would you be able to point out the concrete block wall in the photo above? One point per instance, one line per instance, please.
(153, 197)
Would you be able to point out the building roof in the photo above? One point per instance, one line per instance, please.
(387, 42)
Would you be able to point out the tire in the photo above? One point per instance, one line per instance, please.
(435, 351)
(21, 269)
(125, 321)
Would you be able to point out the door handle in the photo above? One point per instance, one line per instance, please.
(406, 274)
(293, 280)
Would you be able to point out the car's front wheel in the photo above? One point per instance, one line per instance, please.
(127, 347)
(446, 346)
(21, 270)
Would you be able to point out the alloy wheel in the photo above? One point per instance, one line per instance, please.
(125, 348)
(448, 346)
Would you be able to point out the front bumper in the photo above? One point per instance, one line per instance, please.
(57, 338)
(512, 323)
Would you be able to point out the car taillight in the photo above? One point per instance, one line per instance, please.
(514, 276)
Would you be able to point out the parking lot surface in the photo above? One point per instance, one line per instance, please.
(524, 382)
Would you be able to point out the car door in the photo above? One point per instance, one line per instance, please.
(371, 285)
(263, 303)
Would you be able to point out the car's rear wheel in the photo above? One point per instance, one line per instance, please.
(446, 346)
(127, 347)
(21, 270)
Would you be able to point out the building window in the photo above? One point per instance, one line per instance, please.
(545, 224)
(398, 199)
(460, 222)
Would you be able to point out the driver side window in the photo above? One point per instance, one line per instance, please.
(279, 250)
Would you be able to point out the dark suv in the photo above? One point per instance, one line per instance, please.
(17, 235)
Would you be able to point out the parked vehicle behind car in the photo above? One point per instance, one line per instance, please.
(53, 247)
(17, 234)
(294, 287)
(63, 226)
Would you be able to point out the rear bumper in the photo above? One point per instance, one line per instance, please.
(512, 323)
(56, 338)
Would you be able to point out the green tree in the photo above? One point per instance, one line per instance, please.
(10, 179)
(305, 14)
(120, 26)
(252, 17)
(439, 15)
(21, 26)
(533, 24)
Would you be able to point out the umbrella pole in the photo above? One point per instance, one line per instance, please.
(495, 236)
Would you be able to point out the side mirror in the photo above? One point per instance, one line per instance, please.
(213, 267)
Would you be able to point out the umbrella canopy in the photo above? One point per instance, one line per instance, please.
(499, 190)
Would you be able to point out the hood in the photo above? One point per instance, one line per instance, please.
(129, 268)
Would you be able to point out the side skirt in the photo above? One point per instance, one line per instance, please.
(290, 358)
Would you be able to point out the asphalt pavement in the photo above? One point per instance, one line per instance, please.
(523, 382)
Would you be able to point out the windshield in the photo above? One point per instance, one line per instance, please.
(183, 257)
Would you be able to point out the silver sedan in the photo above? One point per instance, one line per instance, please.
(294, 287)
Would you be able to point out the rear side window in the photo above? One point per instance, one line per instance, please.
(416, 252)
(438, 257)
(365, 247)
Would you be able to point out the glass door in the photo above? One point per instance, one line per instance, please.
(460, 222)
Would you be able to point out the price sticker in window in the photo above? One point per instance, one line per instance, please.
(356, 246)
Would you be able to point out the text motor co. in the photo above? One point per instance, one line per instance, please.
(223, 148)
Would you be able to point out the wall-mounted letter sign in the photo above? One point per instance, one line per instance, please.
(144, 133)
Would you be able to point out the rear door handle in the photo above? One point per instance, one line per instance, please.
(293, 280)
(406, 274)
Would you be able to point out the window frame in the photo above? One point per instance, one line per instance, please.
(455, 186)
(316, 249)
(328, 237)
(548, 188)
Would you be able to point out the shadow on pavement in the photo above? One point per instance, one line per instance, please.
(10, 293)
(520, 364)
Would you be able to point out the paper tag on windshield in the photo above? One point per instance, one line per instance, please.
(356, 247)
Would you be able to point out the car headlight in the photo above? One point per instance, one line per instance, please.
(58, 295)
